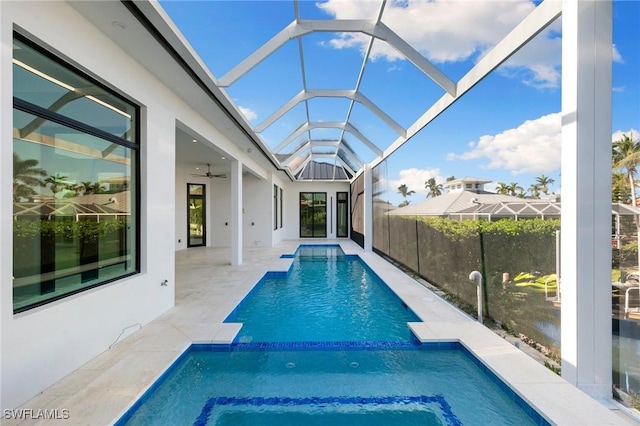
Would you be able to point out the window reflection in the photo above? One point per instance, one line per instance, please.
(74, 215)
(313, 214)
(45, 83)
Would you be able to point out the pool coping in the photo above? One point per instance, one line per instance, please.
(517, 400)
(208, 288)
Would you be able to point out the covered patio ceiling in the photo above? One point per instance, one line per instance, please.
(309, 84)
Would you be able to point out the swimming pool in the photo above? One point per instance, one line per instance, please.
(337, 381)
(403, 383)
(326, 296)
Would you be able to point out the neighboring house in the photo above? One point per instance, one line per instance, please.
(467, 199)
(90, 205)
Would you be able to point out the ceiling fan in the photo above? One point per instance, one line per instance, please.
(209, 174)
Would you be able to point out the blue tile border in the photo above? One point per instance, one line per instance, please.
(321, 345)
(439, 400)
(336, 346)
(143, 398)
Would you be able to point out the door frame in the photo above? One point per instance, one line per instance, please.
(326, 214)
(203, 198)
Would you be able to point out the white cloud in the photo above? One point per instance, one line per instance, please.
(415, 179)
(442, 30)
(617, 57)
(537, 64)
(532, 147)
(248, 113)
(632, 133)
(455, 30)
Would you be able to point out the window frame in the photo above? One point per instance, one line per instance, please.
(275, 207)
(326, 214)
(134, 147)
(281, 216)
(340, 202)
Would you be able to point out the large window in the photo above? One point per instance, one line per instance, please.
(75, 182)
(313, 214)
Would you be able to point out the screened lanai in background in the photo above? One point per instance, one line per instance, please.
(350, 93)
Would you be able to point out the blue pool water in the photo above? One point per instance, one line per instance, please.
(326, 296)
(278, 384)
(362, 369)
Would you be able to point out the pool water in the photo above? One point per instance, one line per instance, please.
(326, 296)
(327, 343)
(291, 385)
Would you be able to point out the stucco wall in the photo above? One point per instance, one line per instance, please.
(42, 345)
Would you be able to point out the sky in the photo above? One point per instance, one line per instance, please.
(506, 129)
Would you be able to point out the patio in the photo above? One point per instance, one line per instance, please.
(208, 288)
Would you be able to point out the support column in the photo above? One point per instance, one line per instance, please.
(368, 207)
(586, 196)
(236, 212)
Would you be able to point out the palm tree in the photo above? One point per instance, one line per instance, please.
(86, 186)
(56, 183)
(405, 192)
(97, 188)
(502, 188)
(619, 188)
(515, 189)
(543, 183)
(534, 189)
(626, 156)
(76, 188)
(450, 178)
(26, 176)
(434, 188)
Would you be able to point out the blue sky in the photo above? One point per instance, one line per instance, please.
(507, 128)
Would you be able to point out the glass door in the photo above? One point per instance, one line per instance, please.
(195, 215)
(313, 214)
